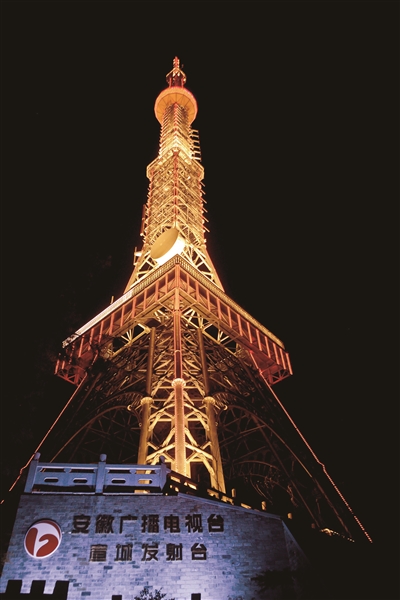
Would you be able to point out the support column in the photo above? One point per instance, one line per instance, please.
(180, 449)
(144, 429)
(146, 402)
(217, 481)
(178, 385)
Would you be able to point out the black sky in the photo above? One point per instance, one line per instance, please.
(298, 121)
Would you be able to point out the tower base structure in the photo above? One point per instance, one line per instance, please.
(107, 532)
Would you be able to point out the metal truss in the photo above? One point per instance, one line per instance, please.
(176, 369)
(233, 428)
(201, 303)
(175, 197)
(126, 406)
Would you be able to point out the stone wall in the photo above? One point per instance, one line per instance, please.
(118, 544)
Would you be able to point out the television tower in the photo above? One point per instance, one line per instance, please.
(175, 370)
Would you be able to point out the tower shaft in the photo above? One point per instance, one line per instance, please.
(175, 205)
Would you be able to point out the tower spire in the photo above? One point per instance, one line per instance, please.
(173, 217)
(176, 77)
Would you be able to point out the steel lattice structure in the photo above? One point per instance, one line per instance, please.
(176, 369)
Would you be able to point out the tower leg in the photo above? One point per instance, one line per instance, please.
(146, 402)
(217, 480)
(180, 450)
(144, 430)
(178, 385)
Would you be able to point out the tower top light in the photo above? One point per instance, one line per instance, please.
(176, 93)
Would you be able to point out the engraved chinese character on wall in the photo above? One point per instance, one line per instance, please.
(215, 523)
(124, 552)
(150, 551)
(98, 553)
(150, 524)
(81, 524)
(174, 551)
(172, 523)
(193, 523)
(104, 524)
(125, 520)
(199, 552)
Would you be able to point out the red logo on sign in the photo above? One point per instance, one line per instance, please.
(42, 538)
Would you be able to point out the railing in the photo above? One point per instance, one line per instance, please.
(96, 478)
(102, 478)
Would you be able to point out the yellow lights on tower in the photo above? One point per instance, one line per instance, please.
(173, 219)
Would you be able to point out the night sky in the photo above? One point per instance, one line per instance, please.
(298, 123)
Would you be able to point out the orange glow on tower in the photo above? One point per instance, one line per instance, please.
(175, 370)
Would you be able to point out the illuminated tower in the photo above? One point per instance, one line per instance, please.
(175, 370)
